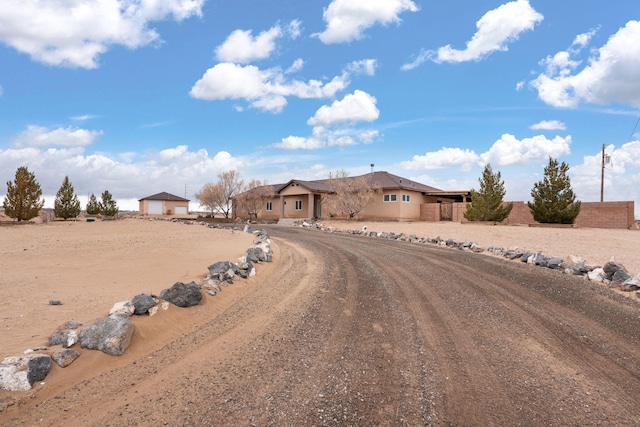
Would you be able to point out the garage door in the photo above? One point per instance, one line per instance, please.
(181, 210)
(155, 207)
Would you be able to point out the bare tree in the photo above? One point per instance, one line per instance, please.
(231, 185)
(349, 195)
(255, 197)
(210, 197)
(217, 198)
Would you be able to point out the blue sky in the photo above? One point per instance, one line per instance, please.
(141, 96)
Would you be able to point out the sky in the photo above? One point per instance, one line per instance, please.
(138, 97)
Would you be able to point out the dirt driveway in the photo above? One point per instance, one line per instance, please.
(348, 330)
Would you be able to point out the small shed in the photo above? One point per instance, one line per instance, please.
(164, 204)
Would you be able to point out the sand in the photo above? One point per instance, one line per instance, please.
(89, 266)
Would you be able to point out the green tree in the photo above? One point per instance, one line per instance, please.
(553, 199)
(22, 201)
(93, 207)
(108, 206)
(67, 204)
(486, 203)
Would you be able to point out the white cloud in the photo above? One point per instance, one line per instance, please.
(241, 47)
(75, 33)
(611, 76)
(265, 90)
(444, 158)
(297, 65)
(495, 29)
(509, 151)
(40, 136)
(125, 175)
(348, 19)
(299, 142)
(621, 178)
(548, 125)
(365, 66)
(355, 107)
(84, 117)
(421, 57)
(325, 137)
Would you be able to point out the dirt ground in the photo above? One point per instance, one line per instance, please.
(348, 330)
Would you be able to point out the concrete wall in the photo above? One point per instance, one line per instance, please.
(592, 214)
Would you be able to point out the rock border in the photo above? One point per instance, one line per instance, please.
(612, 274)
(112, 334)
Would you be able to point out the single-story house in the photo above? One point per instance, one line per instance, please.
(164, 204)
(398, 199)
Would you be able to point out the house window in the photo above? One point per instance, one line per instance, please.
(389, 198)
(406, 197)
(298, 205)
(269, 206)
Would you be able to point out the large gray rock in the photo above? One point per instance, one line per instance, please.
(111, 335)
(183, 295)
(142, 303)
(66, 334)
(20, 373)
(64, 357)
(223, 270)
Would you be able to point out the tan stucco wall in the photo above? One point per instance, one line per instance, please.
(168, 207)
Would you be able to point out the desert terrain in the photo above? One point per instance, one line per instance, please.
(254, 353)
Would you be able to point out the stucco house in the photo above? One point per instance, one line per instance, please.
(164, 204)
(398, 199)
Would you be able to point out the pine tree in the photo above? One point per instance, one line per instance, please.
(486, 204)
(93, 207)
(108, 206)
(67, 204)
(22, 201)
(553, 199)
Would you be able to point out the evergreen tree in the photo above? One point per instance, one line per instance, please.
(22, 201)
(93, 207)
(67, 204)
(486, 204)
(553, 199)
(108, 206)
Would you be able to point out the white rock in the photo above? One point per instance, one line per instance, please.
(597, 275)
(165, 305)
(153, 310)
(124, 307)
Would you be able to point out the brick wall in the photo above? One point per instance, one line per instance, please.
(592, 214)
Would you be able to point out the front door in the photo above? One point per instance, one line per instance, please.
(446, 211)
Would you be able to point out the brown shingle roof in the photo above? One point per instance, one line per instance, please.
(166, 197)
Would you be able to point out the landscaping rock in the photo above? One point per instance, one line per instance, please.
(183, 295)
(111, 335)
(142, 303)
(122, 307)
(20, 373)
(66, 334)
(65, 357)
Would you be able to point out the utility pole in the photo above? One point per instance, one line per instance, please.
(602, 178)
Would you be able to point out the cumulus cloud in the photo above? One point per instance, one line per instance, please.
(548, 125)
(242, 47)
(125, 176)
(444, 158)
(496, 29)
(75, 33)
(336, 124)
(510, 151)
(355, 107)
(347, 20)
(611, 76)
(40, 136)
(267, 89)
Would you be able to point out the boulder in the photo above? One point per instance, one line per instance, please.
(223, 270)
(65, 334)
(183, 295)
(20, 373)
(142, 303)
(615, 271)
(65, 357)
(597, 275)
(122, 307)
(631, 284)
(111, 335)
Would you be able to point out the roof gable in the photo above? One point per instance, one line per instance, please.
(164, 196)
